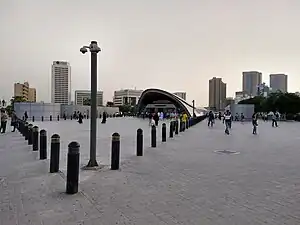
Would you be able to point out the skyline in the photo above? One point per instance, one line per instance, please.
(142, 47)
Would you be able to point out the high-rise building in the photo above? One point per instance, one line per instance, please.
(32, 95)
(23, 90)
(83, 97)
(61, 83)
(278, 82)
(127, 97)
(217, 94)
(251, 82)
(180, 94)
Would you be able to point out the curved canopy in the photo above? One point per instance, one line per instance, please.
(153, 95)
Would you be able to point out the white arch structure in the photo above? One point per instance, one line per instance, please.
(152, 93)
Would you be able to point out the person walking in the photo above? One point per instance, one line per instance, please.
(211, 119)
(14, 120)
(274, 119)
(227, 121)
(4, 118)
(254, 123)
(156, 118)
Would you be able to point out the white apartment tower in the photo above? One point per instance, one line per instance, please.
(61, 83)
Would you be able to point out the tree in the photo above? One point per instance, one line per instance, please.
(109, 104)
(87, 101)
(288, 103)
(15, 99)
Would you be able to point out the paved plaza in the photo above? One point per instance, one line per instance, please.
(187, 180)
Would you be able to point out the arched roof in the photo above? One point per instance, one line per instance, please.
(150, 95)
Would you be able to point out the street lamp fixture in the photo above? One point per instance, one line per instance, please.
(94, 49)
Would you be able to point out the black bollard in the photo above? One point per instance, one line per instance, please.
(32, 118)
(115, 151)
(43, 144)
(73, 168)
(153, 136)
(30, 134)
(176, 127)
(139, 142)
(57, 117)
(54, 155)
(50, 118)
(171, 129)
(42, 118)
(164, 133)
(21, 127)
(173, 125)
(35, 138)
(71, 117)
(26, 131)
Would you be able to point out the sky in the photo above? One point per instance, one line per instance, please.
(176, 45)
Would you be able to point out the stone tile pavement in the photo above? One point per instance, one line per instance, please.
(183, 181)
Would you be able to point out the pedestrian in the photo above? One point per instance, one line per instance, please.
(14, 120)
(227, 121)
(4, 118)
(80, 117)
(254, 123)
(211, 118)
(274, 119)
(156, 118)
(25, 116)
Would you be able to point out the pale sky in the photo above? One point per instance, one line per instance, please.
(176, 45)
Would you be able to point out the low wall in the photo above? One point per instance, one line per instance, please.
(39, 110)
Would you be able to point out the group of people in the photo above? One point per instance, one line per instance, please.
(4, 119)
(155, 117)
(228, 118)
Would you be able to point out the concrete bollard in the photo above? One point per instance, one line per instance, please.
(42, 118)
(164, 133)
(32, 118)
(54, 154)
(30, 134)
(35, 138)
(115, 151)
(139, 142)
(73, 168)
(43, 144)
(50, 117)
(57, 117)
(176, 127)
(26, 131)
(171, 134)
(153, 136)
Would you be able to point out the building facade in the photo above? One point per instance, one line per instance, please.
(217, 94)
(83, 97)
(251, 82)
(24, 91)
(278, 82)
(32, 95)
(61, 83)
(126, 97)
(181, 95)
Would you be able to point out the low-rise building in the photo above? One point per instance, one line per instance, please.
(83, 97)
(126, 97)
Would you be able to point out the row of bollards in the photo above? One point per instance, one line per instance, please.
(38, 140)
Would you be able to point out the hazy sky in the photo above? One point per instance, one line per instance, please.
(177, 45)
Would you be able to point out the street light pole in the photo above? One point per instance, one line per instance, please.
(193, 108)
(94, 49)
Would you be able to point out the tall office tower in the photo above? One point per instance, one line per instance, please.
(278, 82)
(217, 94)
(251, 82)
(61, 83)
